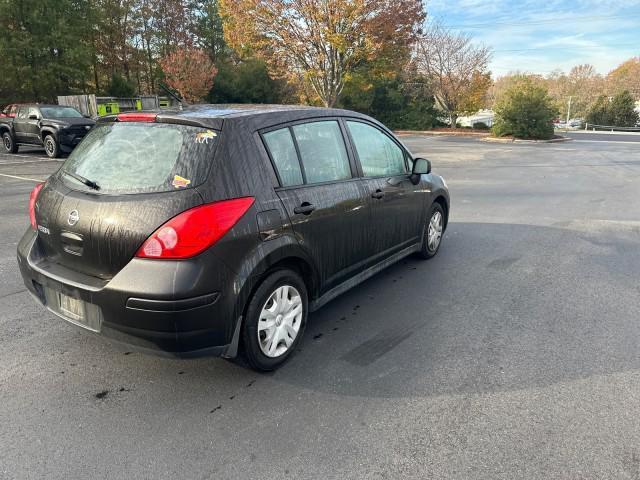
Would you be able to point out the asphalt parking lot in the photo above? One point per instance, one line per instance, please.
(512, 354)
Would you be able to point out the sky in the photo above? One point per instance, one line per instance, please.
(542, 36)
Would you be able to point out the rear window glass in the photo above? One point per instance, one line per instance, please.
(141, 157)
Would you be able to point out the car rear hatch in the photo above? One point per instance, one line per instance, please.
(119, 185)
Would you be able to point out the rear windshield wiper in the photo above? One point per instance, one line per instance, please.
(89, 183)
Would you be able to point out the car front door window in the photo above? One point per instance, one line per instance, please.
(378, 154)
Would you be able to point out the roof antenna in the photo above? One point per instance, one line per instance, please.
(173, 95)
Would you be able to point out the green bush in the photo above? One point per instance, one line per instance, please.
(617, 112)
(525, 111)
(480, 126)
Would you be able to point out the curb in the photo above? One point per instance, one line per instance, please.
(401, 133)
(519, 140)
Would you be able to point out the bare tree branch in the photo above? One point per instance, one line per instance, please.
(457, 69)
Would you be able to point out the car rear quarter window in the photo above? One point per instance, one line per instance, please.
(283, 153)
(322, 151)
(379, 155)
(125, 158)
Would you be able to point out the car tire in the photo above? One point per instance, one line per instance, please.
(10, 146)
(51, 147)
(433, 231)
(277, 309)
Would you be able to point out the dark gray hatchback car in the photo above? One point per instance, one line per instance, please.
(217, 229)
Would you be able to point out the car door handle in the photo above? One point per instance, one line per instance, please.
(306, 208)
(378, 194)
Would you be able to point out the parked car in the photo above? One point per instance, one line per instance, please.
(9, 110)
(217, 229)
(57, 128)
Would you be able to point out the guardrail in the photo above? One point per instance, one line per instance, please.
(609, 128)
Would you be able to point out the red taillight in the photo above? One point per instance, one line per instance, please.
(137, 117)
(33, 198)
(194, 230)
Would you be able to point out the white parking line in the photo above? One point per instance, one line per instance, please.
(28, 161)
(21, 178)
(607, 141)
(22, 155)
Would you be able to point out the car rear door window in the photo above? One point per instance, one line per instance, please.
(283, 153)
(322, 151)
(378, 154)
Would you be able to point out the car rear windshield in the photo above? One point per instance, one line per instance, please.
(121, 158)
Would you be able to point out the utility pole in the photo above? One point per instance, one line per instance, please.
(566, 125)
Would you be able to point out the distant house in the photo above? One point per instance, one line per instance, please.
(482, 116)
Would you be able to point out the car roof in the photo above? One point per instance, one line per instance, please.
(38, 105)
(255, 116)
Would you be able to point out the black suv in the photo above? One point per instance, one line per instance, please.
(57, 128)
(217, 229)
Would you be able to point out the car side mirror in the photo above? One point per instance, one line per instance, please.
(421, 166)
(33, 117)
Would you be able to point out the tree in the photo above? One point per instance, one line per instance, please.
(626, 77)
(42, 54)
(503, 84)
(583, 84)
(618, 111)
(623, 110)
(190, 72)
(246, 82)
(120, 87)
(600, 113)
(209, 31)
(402, 101)
(457, 69)
(319, 41)
(525, 111)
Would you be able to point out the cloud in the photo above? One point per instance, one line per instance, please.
(531, 36)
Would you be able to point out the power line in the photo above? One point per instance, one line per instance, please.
(570, 47)
(541, 22)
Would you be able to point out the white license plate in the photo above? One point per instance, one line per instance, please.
(71, 307)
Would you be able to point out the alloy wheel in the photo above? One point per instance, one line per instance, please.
(49, 146)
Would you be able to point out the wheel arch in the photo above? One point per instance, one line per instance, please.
(48, 131)
(286, 256)
(442, 201)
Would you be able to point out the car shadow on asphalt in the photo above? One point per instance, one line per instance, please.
(502, 307)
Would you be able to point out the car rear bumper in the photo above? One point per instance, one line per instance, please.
(142, 306)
